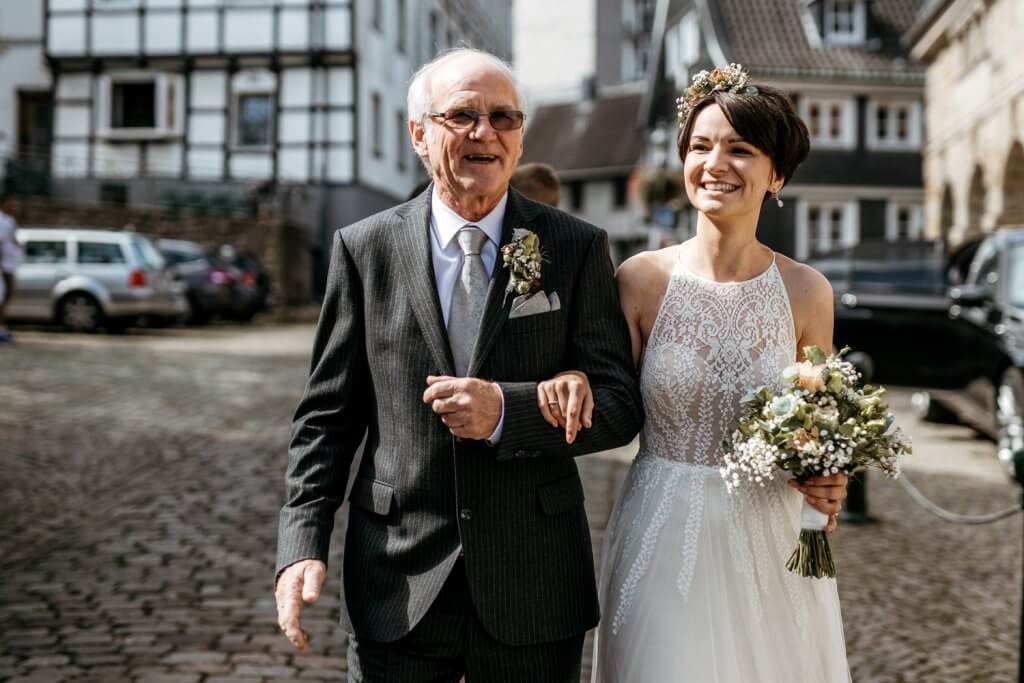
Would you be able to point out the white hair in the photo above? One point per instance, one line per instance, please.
(419, 99)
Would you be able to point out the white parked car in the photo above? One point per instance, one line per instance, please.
(87, 279)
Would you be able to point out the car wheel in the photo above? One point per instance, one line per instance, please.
(928, 409)
(1009, 422)
(80, 312)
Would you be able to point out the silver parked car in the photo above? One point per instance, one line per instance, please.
(85, 279)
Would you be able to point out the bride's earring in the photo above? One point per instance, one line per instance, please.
(778, 201)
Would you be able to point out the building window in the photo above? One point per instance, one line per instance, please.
(378, 15)
(139, 105)
(378, 152)
(894, 125)
(576, 196)
(904, 221)
(400, 40)
(133, 105)
(620, 196)
(253, 108)
(845, 22)
(830, 121)
(825, 226)
(255, 120)
(401, 140)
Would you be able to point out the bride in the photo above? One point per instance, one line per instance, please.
(694, 586)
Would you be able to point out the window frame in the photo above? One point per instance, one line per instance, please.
(169, 105)
(253, 83)
(914, 112)
(850, 228)
(892, 228)
(847, 138)
(857, 34)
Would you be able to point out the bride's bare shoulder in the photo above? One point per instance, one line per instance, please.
(646, 268)
(803, 282)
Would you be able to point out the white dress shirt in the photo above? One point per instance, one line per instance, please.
(447, 257)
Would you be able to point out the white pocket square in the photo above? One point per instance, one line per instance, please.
(532, 304)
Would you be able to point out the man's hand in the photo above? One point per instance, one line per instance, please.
(567, 401)
(298, 583)
(469, 407)
(824, 494)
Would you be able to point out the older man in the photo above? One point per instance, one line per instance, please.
(467, 550)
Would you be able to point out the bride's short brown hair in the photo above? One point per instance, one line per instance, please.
(767, 120)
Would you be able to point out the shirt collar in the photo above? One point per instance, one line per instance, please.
(449, 223)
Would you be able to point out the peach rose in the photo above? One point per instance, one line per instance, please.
(811, 378)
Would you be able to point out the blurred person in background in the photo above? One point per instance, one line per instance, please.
(539, 182)
(10, 258)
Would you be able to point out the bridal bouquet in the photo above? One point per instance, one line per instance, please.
(822, 423)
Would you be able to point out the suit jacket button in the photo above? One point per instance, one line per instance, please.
(465, 514)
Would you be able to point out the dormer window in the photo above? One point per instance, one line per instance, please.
(845, 22)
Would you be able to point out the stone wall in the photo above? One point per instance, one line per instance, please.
(282, 246)
(973, 166)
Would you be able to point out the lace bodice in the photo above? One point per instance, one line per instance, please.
(710, 342)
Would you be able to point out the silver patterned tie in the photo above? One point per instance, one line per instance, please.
(468, 298)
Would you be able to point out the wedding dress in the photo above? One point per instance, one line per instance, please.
(694, 585)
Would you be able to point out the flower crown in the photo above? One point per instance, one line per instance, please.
(729, 79)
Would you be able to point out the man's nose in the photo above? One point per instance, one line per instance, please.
(482, 129)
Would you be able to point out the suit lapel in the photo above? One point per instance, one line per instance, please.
(412, 244)
(517, 216)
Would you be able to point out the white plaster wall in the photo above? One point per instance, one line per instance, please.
(117, 161)
(165, 160)
(251, 166)
(208, 89)
(205, 163)
(385, 72)
(163, 33)
(248, 30)
(203, 30)
(70, 159)
(599, 208)
(554, 47)
(115, 34)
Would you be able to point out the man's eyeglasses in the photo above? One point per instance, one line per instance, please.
(462, 119)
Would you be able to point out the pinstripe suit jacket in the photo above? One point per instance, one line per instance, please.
(515, 509)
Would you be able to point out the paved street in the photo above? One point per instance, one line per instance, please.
(142, 475)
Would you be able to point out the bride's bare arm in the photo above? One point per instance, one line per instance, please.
(637, 279)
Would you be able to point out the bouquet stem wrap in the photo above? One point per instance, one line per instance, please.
(813, 556)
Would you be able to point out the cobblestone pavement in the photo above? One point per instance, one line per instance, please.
(142, 475)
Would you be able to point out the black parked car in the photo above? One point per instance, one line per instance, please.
(952, 324)
(210, 285)
(252, 281)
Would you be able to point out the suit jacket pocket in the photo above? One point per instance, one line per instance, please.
(373, 496)
(560, 495)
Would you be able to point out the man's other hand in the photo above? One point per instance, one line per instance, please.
(469, 407)
(299, 583)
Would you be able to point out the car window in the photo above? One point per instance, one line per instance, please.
(46, 251)
(1015, 275)
(100, 252)
(985, 268)
(147, 253)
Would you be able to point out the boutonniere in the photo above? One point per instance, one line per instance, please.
(522, 256)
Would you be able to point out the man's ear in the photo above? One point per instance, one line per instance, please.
(418, 134)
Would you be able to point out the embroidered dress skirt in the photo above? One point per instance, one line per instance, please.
(695, 589)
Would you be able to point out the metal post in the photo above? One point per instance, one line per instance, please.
(856, 509)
